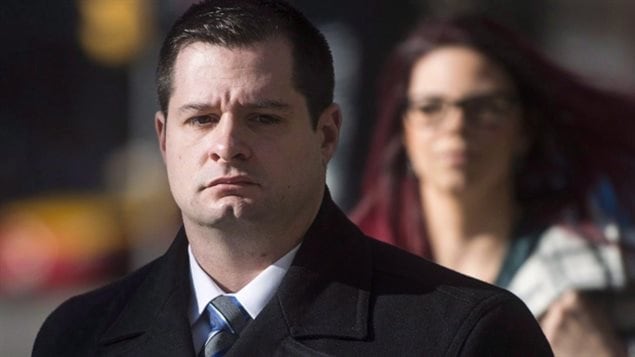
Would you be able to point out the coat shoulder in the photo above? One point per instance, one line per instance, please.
(79, 321)
(395, 266)
(456, 313)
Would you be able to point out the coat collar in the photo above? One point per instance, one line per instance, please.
(325, 293)
(331, 275)
(154, 321)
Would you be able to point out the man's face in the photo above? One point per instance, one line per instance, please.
(238, 142)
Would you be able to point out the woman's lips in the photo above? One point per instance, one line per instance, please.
(456, 158)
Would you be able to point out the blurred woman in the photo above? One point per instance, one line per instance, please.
(492, 161)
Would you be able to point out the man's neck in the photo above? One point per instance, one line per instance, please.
(234, 261)
(233, 257)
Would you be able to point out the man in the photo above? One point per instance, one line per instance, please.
(246, 129)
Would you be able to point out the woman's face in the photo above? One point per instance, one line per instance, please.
(462, 125)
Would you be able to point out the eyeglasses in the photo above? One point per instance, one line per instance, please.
(479, 110)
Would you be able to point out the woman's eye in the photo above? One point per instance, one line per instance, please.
(430, 108)
(492, 106)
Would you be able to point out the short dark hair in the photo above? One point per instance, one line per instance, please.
(236, 23)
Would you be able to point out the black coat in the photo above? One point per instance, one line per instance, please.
(344, 295)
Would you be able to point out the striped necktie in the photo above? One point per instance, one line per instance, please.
(227, 319)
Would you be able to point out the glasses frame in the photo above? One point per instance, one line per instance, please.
(480, 110)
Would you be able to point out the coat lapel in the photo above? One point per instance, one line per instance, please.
(154, 322)
(324, 295)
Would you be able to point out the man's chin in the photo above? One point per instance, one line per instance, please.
(228, 214)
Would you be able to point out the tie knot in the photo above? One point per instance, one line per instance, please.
(227, 319)
(226, 313)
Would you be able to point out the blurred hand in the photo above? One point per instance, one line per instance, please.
(574, 326)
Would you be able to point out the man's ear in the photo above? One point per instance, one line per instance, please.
(328, 126)
(160, 125)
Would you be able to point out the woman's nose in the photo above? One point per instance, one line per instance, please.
(455, 118)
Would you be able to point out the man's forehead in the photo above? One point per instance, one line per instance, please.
(258, 75)
(274, 45)
(266, 57)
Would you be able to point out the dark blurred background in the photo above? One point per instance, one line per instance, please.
(83, 195)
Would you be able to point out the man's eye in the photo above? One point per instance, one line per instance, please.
(264, 119)
(201, 120)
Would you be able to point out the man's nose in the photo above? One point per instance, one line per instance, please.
(229, 141)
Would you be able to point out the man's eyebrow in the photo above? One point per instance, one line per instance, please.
(269, 104)
(194, 107)
(258, 104)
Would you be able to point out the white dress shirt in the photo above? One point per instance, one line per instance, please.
(253, 296)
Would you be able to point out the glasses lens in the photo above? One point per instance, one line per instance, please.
(491, 109)
(427, 113)
(479, 110)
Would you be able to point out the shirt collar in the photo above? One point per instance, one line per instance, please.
(253, 296)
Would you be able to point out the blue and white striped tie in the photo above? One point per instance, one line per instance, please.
(227, 319)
